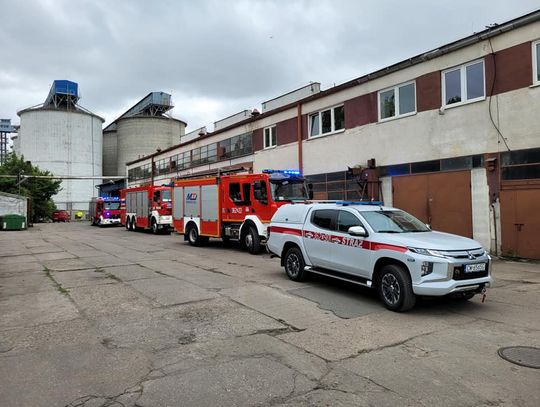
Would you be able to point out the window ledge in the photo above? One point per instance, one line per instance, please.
(535, 85)
(389, 119)
(468, 102)
(325, 134)
(269, 148)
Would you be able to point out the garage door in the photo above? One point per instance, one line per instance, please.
(520, 222)
(441, 199)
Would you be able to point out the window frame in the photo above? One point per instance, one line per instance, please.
(332, 121)
(536, 67)
(463, 84)
(397, 114)
(270, 128)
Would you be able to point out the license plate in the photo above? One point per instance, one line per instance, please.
(471, 268)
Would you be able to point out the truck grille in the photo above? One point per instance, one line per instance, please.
(463, 254)
(459, 273)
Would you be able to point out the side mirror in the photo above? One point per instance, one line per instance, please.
(357, 231)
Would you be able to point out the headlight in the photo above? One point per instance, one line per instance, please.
(426, 252)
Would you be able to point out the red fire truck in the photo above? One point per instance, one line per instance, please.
(104, 211)
(233, 207)
(147, 207)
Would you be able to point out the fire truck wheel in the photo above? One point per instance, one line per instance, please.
(128, 227)
(154, 226)
(193, 236)
(133, 224)
(252, 241)
(294, 264)
(395, 288)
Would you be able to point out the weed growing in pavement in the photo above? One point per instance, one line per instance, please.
(59, 287)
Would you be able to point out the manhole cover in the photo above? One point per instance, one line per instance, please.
(521, 355)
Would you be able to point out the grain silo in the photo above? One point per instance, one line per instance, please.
(140, 131)
(66, 139)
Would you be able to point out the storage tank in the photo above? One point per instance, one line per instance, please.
(138, 136)
(65, 139)
(110, 153)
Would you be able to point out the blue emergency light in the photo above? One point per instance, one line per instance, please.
(110, 198)
(374, 203)
(285, 172)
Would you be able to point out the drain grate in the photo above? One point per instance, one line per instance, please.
(527, 356)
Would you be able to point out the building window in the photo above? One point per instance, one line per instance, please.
(270, 137)
(536, 62)
(397, 101)
(464, 84)
(327, 121)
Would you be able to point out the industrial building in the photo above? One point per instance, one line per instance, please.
(5, 129)
(451, 135)
(140, 131)
(66, 139)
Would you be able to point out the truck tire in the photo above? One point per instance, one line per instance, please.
(252, 241)
(154, 226)
(395, 288)
(133, 224)
(294, 264)
(127, 223)
(193, 236)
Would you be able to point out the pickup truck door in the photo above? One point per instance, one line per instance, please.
(317, 235)
(347, 254)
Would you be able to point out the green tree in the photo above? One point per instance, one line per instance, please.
(40, 190)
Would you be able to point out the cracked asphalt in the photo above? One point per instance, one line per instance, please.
(105, 317)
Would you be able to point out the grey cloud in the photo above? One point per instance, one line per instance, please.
(217, 57)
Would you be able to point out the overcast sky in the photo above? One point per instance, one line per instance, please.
(217, 57)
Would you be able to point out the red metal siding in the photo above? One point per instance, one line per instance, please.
(428, 91)
(361, 110)
(514, 69)
(286, 131)
(257, 140)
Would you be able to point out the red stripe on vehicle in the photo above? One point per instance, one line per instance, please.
(287, 231)
(382, 246)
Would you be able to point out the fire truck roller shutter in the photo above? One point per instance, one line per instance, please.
(178, 198)
(192, 206)
(210, 210)
(142, 203)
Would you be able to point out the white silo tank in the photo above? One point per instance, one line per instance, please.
(138, 136)
(64, 142)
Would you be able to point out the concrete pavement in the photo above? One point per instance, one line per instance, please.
(105, 317)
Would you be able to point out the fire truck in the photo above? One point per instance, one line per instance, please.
(233, 207)
(104, 211)
(147, 207)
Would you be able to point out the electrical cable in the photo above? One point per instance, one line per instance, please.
(491, 95)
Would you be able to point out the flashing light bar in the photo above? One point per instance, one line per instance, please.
(286, 172)
(375, 203)
(110, 198)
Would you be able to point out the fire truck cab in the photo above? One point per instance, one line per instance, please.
(104, 211)
(147, 207)
(234, 207)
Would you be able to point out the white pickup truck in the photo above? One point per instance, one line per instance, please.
(380, 247)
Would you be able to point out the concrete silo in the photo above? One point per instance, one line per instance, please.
(140, 131)
(66, 139)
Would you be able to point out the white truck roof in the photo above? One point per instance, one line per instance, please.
(296, 213)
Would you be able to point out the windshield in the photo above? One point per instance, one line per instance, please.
(393, 222)
(166, 195)
(289, 190)
(111, 205)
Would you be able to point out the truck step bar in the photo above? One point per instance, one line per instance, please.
(340, 276)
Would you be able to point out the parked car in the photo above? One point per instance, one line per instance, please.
(379, 247)
(60, 216)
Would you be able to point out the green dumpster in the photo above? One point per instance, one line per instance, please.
(12, 222)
